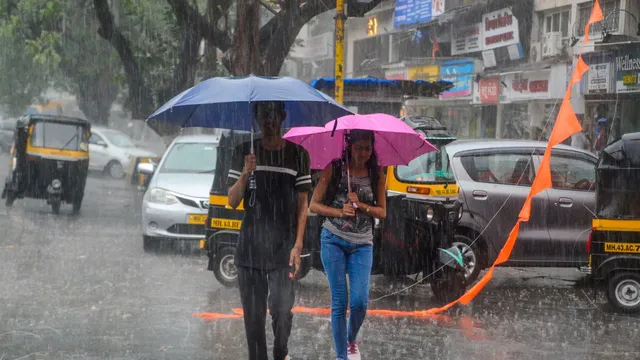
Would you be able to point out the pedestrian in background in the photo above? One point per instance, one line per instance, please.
(347, 234)
(272, 231)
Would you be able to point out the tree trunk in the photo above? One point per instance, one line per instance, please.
(246, 49)
(140, 101)
(95, 98)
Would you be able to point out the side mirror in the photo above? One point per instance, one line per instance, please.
(146, 168)
(101, 143)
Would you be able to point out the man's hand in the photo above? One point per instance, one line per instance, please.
(250, 164)
(294, 260)
(353, 197)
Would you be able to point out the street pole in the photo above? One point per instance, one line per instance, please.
(339, 51)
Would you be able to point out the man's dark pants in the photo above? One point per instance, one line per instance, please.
(256, 288)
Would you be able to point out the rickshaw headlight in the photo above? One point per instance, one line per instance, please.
(161, 196)
(430, 213)
(56, 184)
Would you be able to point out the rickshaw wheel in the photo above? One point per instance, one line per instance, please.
(77, 204)
(624, 291)
(448, 284)
(10, 199)
(55, 207)
(224, 267)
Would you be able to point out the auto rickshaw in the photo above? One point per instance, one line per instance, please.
(614, 242)
(49, 160)
(422, 215)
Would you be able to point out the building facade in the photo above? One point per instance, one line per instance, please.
(509, 60)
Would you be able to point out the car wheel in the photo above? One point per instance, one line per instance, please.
(624, 291)
(471, 256)
(115, 170)
(149, 243)
(224, 267)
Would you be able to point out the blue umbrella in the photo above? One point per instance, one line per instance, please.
(226, 102)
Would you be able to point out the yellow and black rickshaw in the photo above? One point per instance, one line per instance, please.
(614, 244)
(423, 212)
(49, 160)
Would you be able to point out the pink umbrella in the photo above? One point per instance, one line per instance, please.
(396, 142)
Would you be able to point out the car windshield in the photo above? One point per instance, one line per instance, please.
(119, 139)
(191, 158)
(61, 136)
(431, 167)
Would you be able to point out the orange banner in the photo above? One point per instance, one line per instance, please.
(566, 124)
(596, 15)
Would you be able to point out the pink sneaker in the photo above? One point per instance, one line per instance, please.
(353, 352)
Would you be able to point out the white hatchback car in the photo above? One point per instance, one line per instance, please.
(112, 151)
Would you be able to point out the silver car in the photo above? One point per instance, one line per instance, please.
(112, 152)
(495, 177)
(176, 202)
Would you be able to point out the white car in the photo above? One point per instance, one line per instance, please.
(176, 203)
(112, 151)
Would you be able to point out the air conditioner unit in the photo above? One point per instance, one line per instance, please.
(551, 44)
(535, 52)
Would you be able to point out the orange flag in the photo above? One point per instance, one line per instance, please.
(566, 124)
(505, 253)
(596, 15)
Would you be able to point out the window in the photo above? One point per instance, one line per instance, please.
(570, 173)
(432, 167)
(60, 136)
(95, 138)
(506, 169)
(558, 22)
(119, 139)
(191, 158)
(610, 21)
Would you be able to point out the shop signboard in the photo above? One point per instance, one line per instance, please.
(527, 86)
(489, 90)
(628, 69)
(396, 74)
(425, 72)
(466, 39)
(461, 73)
(599, 78)
(411, 12)
(499, 29)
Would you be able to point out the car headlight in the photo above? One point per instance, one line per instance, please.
(460, 213)
(161, 196)
(430, 213)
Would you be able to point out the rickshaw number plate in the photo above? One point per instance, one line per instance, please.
(622, 247)
(197, 219)
(226, 224)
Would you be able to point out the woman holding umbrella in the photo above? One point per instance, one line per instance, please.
(350, 194)
(354, 189)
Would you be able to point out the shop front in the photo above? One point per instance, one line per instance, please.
(453, 108)
(522, 104)
(611, 89)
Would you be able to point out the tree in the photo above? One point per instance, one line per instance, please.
(252, 46)
(54, 43)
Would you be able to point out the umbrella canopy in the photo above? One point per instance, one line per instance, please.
(396, 143)
(227, 103)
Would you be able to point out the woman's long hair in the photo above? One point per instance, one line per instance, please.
(372, 164)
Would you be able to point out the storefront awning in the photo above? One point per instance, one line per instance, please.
(417, 88)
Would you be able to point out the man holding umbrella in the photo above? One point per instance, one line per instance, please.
(271, 236)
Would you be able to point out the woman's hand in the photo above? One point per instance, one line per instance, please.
(353, 197)
(348, 210)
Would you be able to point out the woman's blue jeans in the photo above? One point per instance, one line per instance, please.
(340, 258)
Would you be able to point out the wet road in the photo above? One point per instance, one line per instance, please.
(81, 287)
